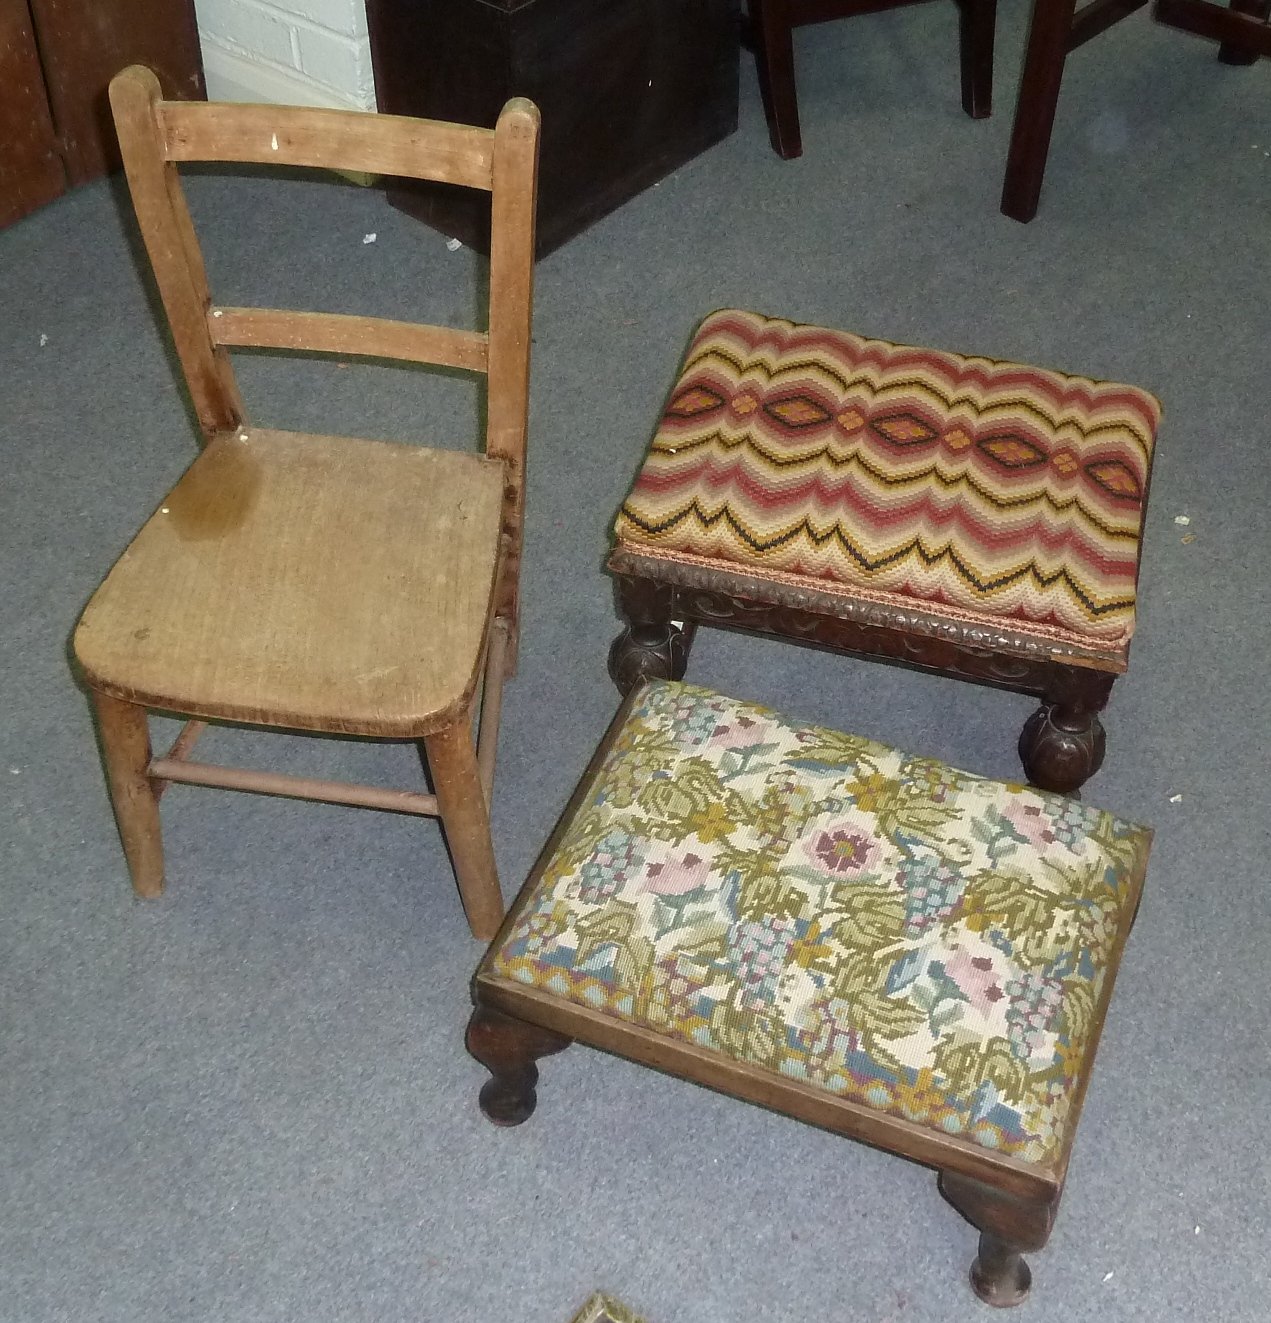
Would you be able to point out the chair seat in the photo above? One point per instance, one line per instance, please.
(809, 461)
(306, 581)
(925, 943)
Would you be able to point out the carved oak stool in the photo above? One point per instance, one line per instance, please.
(861, 939)
(975, 518)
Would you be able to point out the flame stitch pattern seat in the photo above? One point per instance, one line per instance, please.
(963, 487)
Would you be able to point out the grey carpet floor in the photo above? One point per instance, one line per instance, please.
(250, 1100)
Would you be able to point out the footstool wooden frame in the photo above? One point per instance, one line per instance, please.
(1005, 437)
(526, 1011)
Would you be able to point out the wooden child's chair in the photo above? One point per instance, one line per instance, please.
(772, 24)
(314, 583)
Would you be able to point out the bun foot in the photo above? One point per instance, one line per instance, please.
(648, 652)
(508, 1048)
(1000, 1276)
(1061, 748)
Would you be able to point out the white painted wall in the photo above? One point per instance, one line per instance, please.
(289, 52)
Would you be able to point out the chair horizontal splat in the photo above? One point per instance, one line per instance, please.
(337, 333)
(328, 140)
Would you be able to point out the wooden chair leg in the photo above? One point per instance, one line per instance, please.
(652, 646)
(1232, 54)
(508, 1049)
(977, 23)
(1046, 51)
(125, 741)
(466, 819)
(773, 35)
(1008, 1227)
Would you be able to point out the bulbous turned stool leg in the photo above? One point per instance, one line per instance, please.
(1061, 749)
(1062, 743)
(652, 646)
(508, 1048)
(1008, 1226)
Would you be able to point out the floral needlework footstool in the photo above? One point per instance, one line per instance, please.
(978, 518)
(862, 939)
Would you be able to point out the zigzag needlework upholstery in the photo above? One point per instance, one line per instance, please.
(961, 486)
(924, 942)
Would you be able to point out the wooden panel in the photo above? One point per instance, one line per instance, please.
(84, 43)
(331, 140)
(629, 90)
(31, 170)
(312, 582)
(335, 333)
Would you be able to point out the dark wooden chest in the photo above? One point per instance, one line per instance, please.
(628, 89)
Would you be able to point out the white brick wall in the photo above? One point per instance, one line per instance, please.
(298, 52)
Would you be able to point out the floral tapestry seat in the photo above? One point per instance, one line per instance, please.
(862, 938)
(979, 517)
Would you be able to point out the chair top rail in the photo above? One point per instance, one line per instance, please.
(328, 140)
(338, 333)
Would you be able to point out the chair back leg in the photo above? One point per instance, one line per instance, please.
(772, 31)
(977, 23)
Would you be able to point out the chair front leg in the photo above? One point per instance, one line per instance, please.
(465, 817)
(1049, 35)
(125, 741)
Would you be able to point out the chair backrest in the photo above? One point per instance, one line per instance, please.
(155, 135)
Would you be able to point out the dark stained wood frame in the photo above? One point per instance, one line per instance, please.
(1058, 27)
(772, 24)
(1012, 1203)
(1061, 746)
